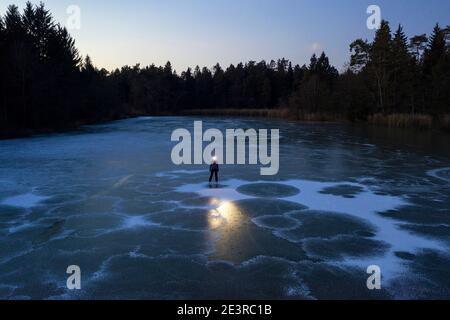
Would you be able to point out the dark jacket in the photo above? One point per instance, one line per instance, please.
(214, 167)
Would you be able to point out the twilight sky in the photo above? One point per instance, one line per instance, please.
(202, 32)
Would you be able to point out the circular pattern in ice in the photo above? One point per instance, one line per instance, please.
(268, 190)
(276, 222)
(442, 174)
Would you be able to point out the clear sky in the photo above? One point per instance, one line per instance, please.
(202, 32)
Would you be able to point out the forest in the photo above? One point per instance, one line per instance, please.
(46, 85)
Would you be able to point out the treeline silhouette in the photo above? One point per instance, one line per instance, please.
(45, 84)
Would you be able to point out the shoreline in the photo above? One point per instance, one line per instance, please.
(398, 120)
(418, 122)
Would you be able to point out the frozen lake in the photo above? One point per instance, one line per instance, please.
(108, 199)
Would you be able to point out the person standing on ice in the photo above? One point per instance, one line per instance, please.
(214, 170)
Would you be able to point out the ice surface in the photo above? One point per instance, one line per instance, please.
(108, 199)
(442, 173)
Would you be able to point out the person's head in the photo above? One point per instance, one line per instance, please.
(214, 160)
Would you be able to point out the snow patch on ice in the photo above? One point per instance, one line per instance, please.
(227, 193)
(136, 222)
(27, 201)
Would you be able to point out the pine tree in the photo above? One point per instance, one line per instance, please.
(436, 72)
(380, 65)
(219, 87)
(401, 74)
(434, 63)
(13, 23)
(29, 20)
(168, 68)
(435, 50)
(324, 69)
(60, 49)
(314, 94)
(44, 29)
(187, 95)
(313, 63)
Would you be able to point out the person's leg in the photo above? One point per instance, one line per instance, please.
(217, 176)
(211, 176)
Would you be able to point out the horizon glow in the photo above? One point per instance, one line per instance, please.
(115, 33)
